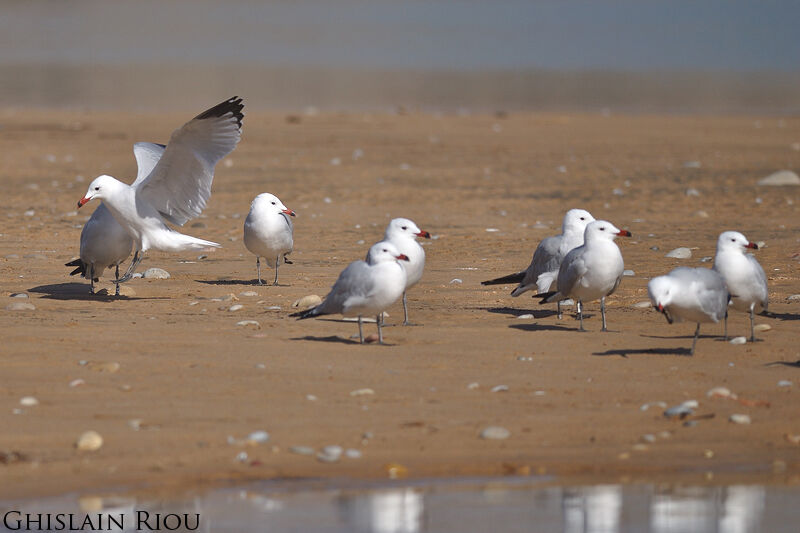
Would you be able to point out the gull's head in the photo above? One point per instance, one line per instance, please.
(384, 251)
(603, 229)
(660, 290)
(403, 227)
(733, 240)
(270, 203)
(100, 188)
(576, 220)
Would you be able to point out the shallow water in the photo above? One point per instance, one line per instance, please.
(446, 506)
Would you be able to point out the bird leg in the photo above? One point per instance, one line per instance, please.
(380, 333)
(258, 270)
(116, 273)
(405, 311)
(580, 315)
(558, 307)
(696, 333)
(726, 326)
(91, 278)
(360, 332)
(603, 312)
(137, 258)
(752, 328)
(277, 264)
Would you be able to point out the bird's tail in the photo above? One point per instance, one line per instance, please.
(77, 263)
(187, 242)
(545, 281)
(511, 278)
(549, 297)
(308, 313)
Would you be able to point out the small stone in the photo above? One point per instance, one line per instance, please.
(692, 192)
(18, 295)
(248, 293)
(492, 230)
(762, 327)
(500, 388)
(739, 419)
(28, 401)
(352, 453)
(396, 470)
(782, 177)
(155, 273)
(628, 273)
(794, 439)
(794, 297)
(495, 433)
(330, 454)
(126, 290)
(640, 447)
(306, 302)
(311, 398)
(708, 454)
(104, 367)
(89, 441)
(681, 411)
(301, 450)
(784, 383)
(247, 323)
(456, 281)
(362, 392)
(643, 304)
(235, 307)
(258, 437)
(242, 457)
(701, 214)
(649, 438)
(720, 392)
(525, 316)
(680, 253)
(20, 306)
(135, 424)
(77, 382)
(473, 386)
(648, 405)
(738, 340)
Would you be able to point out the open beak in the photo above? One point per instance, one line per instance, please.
(752, 245)
(288, 212)
(402, 257)
(624, 233)
(424, 234)
(83, 201)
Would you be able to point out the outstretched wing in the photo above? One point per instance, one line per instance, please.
(147, 155)
(180, 183)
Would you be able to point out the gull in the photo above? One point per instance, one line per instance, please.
(402, 232)
(592, 270)
(178, 183)
(365, 287)
(268, 232)
(541, 274)
(744, 277)
(104, 244)
(692, 294)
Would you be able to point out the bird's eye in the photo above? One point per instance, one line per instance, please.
(404, 228)
(603, 228)
(583, 218)
(733, 240)
(97, 188)
(273, 203)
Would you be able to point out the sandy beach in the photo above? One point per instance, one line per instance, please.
(175, 386)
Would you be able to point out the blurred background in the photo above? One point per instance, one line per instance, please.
(716, 56)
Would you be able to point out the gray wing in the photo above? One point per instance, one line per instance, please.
(712, 291)
(355, 282)
(572, 270)
(760, 279)
(147, 156)
(180, 183)
(546, 258)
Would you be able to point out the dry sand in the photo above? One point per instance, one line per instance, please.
(193, 377)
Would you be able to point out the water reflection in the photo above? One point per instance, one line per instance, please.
(451, 506)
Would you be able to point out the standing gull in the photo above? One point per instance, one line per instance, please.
(744, 277)
(591, 271)
(692, 294)
(365, 288)
(268, 232)
(104, 244)
(541, 274)
(178, 186)
(402, 232)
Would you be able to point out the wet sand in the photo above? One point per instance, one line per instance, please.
(193, 377)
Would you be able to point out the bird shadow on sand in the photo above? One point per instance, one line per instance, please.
(246, 282)
(541, 327)
(537, 313)
(782, 316)
(645, 351)
(79, 291)
(793, 364)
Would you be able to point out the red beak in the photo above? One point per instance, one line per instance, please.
(423, 234)
(402, 257)
(752, 245)
(82, 201)
(288, 212)
(624, 233)
(660, 308)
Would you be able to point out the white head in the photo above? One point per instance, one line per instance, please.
(733, 240)
(100, 188)
(660, 290)
(603, 229)
(403, 227)
(384, 251)
(576, 220)
(270, 203)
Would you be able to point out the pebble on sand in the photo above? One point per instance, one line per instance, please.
(20, 306)
(18, 295)
(738, 340)
(739, 418)
(644, 304)
(720, 392)
(762, 327)
(362, 392)
(246, 323)
(305, 302)
(155, 273)
(781, 177)
(495, 433)
(235, 307)
(784, 383)
(28, 401)
(680, 253)
(301, 450)
(89, 441)
(257, 437)
(330, 454)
